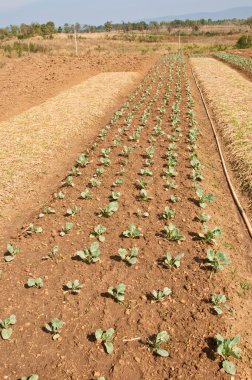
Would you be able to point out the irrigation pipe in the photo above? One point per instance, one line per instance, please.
(234, 195)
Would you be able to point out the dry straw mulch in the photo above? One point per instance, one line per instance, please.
(37, 146)
(230, 97)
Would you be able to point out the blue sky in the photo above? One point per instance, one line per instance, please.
(98, 11)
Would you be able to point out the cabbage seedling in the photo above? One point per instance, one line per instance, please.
(86, 194)
(94, 182)
(225, 348)
(31, 377)
(216, 260)
(174, 198)
(172, 233)
(109, 210)
(11, 252)
(35, 282)
(115, 195)
(170, 261)
(203, 218)
(34, 229)
(99, 171)
(143, 195)
(204, 198)
(98, 232)
(105, 161)
(217, 300)
(159, 295)
(156, 342)
(82, 160)
(141, 213)
(90, 255)
(68, 181)
(146, 172)
(133, 232)
(72, 211)
(170, 185)
(126, 151)
(150, 151)
(118, 182)
(59, 195)
(46, 211)
(54, 327)
(169, 213)
(6, 330)
(210, 235)
(196, 175)
(105, 152)
(75, 171)
(74, 287)
(66, 229)
(118, 292)
(129, 256)
(106, 337)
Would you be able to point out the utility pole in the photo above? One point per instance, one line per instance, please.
(75, 41)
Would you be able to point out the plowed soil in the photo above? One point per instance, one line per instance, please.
(28, 81)
(186, 315)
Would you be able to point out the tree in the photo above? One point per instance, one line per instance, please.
(108, 26)
(50, 27)
(249, 22)
(67, 28)
(77, 27)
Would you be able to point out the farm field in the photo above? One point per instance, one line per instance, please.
(149, 188)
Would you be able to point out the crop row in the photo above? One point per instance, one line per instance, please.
(236, 60)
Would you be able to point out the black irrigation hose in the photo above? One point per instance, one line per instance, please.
(236, 200)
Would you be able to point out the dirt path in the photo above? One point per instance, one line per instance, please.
(187, 314)
(38, 145)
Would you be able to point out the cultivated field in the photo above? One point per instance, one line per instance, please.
(123, 254)
(131, 242)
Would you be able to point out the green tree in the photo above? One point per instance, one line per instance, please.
(108, 26)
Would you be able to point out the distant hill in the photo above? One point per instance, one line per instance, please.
(239, 12)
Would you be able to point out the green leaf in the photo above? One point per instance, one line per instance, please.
(8, 258)
(217, 310)
(109, 347)
(98, 334)
(162, 352)
(6, 333)
(229, 367)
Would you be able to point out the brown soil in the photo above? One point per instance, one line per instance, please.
(30, 80)
(186, 315)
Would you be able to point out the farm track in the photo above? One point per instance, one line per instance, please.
(185, 315)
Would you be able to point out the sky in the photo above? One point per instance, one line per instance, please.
(99, 11)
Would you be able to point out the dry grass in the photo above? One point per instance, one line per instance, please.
(230, 97)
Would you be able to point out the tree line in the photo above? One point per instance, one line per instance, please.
(48, 29)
